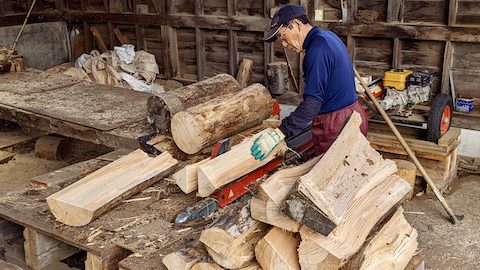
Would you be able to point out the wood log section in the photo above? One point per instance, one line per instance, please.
(230, 166)
(408, 171)
(161, 108)
(347, 171)
(209, 122)
(244, 70)
(265, 206)
(277, 75)
(278, 250)
(251, 266)
(86, 199)
(348, 237)
(187, 177)
(50, 148)
(312, 256)
(188, 256)
(206, 266)
(392, 247)
(231, 239)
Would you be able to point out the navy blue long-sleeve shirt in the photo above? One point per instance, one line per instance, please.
(329, 80)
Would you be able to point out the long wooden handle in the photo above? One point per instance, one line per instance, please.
(410, 153)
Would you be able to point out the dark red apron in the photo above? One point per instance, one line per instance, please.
(327, 126)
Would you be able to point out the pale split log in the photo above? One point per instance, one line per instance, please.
(265, 206)
(161, 108)
(231, 239)
(244, 70)
(348, 237)
(392, 247)
(408, 171)
(42, 250)
(347, 171)
(206, 266)
(186, 257)
(209, 122)
(312, 256)
(277, 250)
(86, 199)
(251, 266)
(187, 177)
(230, 166)
(8, 266)
(93, 262)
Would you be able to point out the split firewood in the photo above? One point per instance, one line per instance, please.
(187, 177)
(86, 199)
(206, 123)
(278, 250)
(186, 257)
(206, 266)
(391, 248)
(312, 256)
(348, 237)
(231, 239)
(266, 205)
(244, 70)
(347, 171)
(230, 166)
(162, 107)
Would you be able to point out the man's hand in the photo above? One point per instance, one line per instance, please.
(266, 143)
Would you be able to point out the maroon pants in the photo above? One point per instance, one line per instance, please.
(327, 126)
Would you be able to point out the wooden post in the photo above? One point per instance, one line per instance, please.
(397, 53)
(232, 39)
(447, 65)
(393, 11)
(452, 12)
(351, 47)
(351, 9)
(200, 53)
(42, 250)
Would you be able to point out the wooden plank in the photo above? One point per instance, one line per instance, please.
(18, 137)
(42, 250)
(447, 65)
(81, 202)
(200, 53)
(452, 12)
(393, 11)
(120, 36)
(232, 52)
(397, 53)
(34, 81)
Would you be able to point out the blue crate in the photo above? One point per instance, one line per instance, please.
(464, 104)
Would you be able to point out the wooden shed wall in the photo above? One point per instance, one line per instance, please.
(196, 39)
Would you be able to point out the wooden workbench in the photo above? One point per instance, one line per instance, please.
(59, 104)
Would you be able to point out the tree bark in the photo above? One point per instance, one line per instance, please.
(277, 74)
(161, 108)
(209, 122)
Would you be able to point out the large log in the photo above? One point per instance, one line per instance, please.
(230, 166)
(266, 205)
(278, 250)
(347, 171)
(207, 123)
(392, 247)
(349, 236)
(86, 199)
(189, 255)
(231, 239)
(161, 108)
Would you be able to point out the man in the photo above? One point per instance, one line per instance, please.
(329, 93)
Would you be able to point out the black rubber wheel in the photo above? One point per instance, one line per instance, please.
(439, 117)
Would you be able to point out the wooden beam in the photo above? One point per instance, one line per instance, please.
(98, 37)
(351, 9)
(232, 8)
(351, 47)
(42, 250)
(393, 11)
(86, 199)
(452, 12)
(232, 52)
(120, 36)
(397, 53)
(173, 50)
(403, 31)
(200, 53)
(447, 65)
(244, 71)
(87, 38)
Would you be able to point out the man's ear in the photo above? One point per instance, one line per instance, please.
(297, 23)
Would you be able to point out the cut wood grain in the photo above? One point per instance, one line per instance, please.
(244, 70)
(230, 166)
(8, 266)
(206, 266)
(81, 202)
(187, 177)
(231, 239)
(347, 171)
(393, 246)
(348, 237)
(265, 206)
(278, 250)
(312, 256)
(186, 257)
(42, 250)
(209, 122)
(161, 108)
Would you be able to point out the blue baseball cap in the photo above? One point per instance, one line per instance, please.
(282, 17)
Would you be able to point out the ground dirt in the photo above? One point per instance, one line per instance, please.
(444, 245)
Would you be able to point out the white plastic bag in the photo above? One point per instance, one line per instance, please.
(126, 53)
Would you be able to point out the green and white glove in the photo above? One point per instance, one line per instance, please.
(266, 143)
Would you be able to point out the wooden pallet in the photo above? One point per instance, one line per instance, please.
(439, 159)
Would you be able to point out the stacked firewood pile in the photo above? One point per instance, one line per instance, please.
(338, 211)
(10, 61)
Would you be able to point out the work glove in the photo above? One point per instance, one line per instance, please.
(264, 144)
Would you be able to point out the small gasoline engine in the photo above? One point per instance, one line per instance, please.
(404, 90)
